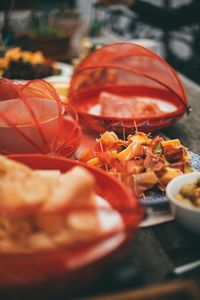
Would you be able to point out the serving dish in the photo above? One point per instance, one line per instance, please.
(145, 163)
(47, 115)
(187, 215)
(34, 120)
(127, 71)
(83, 263)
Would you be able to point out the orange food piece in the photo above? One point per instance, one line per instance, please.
(108, 139)
(144, 181)
(107, 157)
(134, 166)
(140, 138)
(174, 151)
(88, 154)
(94, 162)
(169, 174)
(133, 150)
(171, 143)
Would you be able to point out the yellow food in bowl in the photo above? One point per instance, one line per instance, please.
(190, 193)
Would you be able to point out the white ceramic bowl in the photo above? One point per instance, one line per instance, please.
(187, 216)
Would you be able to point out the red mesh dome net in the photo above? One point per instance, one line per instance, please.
(127, 71)
(33, 119)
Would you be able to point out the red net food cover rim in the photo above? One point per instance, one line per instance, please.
(34, 120)
(47, 264)
(127, 69)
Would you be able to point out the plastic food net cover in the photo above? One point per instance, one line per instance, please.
(31, 119)
(126, 64)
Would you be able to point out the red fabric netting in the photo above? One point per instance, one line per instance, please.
(34, 120)
(63, 260)
(127, 69)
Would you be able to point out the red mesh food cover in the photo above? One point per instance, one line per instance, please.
(124, 85)
(33, 119)
(115, 223)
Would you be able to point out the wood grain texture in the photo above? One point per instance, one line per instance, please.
(188, 129)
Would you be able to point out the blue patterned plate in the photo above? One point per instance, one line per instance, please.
(156, 197)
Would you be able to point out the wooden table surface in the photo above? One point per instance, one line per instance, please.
(188, 129)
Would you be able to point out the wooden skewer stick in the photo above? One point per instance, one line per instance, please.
(101, 146)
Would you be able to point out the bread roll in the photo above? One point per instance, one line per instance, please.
(74, 188)
(20, 188)
(34, 207)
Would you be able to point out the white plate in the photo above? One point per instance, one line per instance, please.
(66, 73)
(163, 105)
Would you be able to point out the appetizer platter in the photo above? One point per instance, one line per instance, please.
(144, 163)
